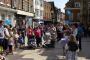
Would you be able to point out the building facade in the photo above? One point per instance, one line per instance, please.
(24, 11)
(58, 15)
(85, 13)
(72, 10)
(17, 11)
(6, 13)
(53, 12)
(47, 11)
(38, 9)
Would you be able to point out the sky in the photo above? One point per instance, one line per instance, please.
(60, 4)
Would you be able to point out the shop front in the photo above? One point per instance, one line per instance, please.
(7, 15)
(23, 18)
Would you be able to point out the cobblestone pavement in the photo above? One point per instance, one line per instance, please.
(50, 54)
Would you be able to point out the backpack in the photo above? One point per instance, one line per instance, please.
(80, 32)
(20, 40)
(72, 46)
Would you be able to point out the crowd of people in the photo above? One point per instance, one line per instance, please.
(42, 36)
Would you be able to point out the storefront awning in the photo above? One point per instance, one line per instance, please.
(7, 9)
(25, 13)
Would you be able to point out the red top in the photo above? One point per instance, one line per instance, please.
(37, 33)
(30, 32)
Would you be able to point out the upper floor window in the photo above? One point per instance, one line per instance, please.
(2, 16)
(41, 13)
(41, 3)
(37, 2)
(2, 1)
(77, 4)
(36, 12)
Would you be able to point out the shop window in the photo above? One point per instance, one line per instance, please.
(9, 16)
(2, 16)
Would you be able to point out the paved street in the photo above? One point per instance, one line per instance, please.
(50, 54)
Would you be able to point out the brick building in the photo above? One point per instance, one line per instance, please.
(50, 11)
(72, 10)
(47, 11)
(85, 12)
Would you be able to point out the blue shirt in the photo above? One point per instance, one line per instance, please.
(7, 22)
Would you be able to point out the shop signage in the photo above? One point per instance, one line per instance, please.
(25, 13)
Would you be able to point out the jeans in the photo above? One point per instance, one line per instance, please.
(1, 41)
(71, 55)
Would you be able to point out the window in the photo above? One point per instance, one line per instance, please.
(77, 4)
(78, 16)
(71, 17)
(2, 17)
(41, 13)
(14, 4)
(9, 17)
(8, 2)
(37, 12)
(37, 2)
(41, 3)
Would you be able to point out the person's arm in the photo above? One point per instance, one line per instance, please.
(75, 32)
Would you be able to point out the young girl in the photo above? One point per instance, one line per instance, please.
(21, 41)
(64, 41)
(11, 41)
(72, 48)
(16, 36)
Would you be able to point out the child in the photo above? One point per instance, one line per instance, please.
(11, 41)
(47, 38)
(21, 40)
(16, 36)
(72, 48)
(64, 41)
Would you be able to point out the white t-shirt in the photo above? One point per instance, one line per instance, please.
(7, 32)
(75, 32)
(16, 35)
(2, 32)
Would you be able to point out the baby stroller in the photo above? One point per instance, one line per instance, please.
(47, 40)
(2, 57)
(32, 42)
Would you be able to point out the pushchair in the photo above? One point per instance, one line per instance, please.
(32, 42)
(2, 57)
(63, 43)
(47, 40)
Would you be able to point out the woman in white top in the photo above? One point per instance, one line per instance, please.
(74, 30)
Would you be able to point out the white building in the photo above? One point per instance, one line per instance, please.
(38, 9)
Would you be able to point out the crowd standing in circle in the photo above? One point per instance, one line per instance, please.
(42, 36)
